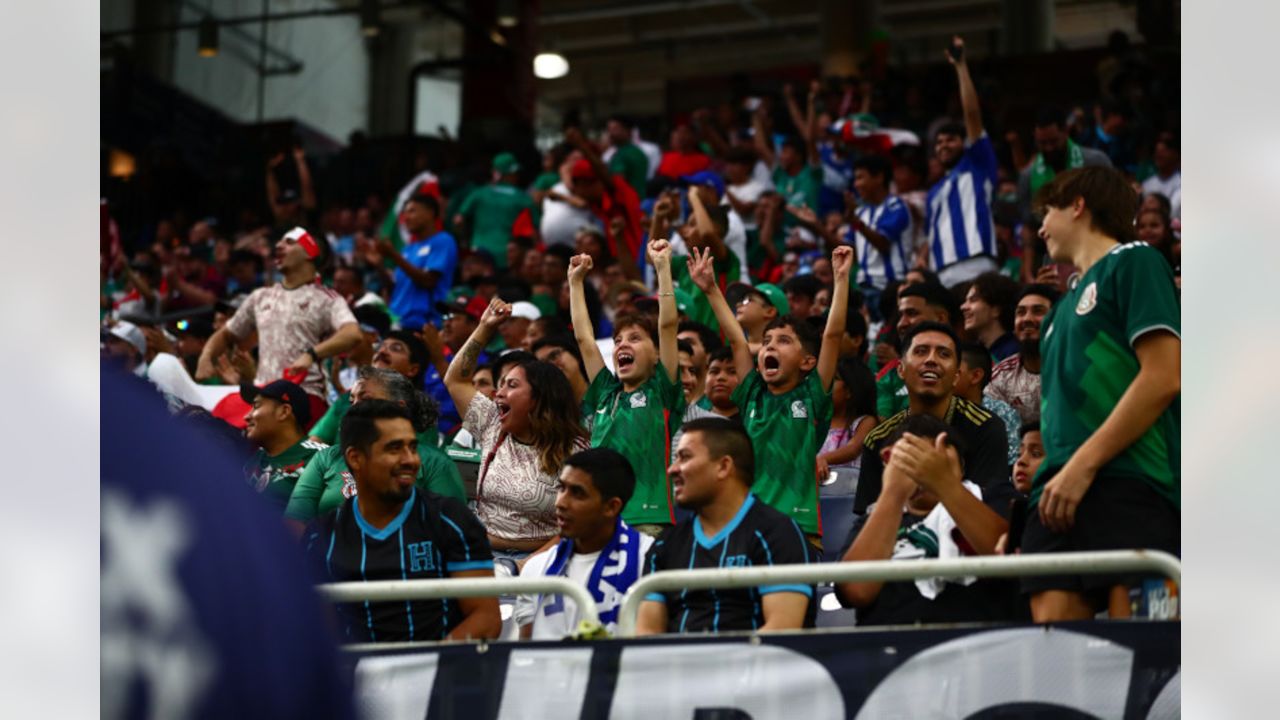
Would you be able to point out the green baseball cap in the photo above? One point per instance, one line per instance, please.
(773, 295)
(506, 163)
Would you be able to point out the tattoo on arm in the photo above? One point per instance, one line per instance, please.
(467, 358)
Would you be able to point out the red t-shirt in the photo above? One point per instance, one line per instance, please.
(676, 165)
(622, 202)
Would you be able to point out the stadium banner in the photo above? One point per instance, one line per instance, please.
(1090, 669)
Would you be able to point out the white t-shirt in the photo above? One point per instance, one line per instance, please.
(560, 220)
(749, 192)
(557, 625)
(1170, 187)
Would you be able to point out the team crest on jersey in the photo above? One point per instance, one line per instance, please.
(798, 410)
(348, 485)
(1088, 299)
(262, 479)
(639, 400)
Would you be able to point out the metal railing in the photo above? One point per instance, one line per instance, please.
(1077, 563)
(390, 590)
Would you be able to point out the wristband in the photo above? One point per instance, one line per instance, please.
(314, 355)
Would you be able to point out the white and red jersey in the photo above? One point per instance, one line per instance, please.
(1014, 384)
(288, 322)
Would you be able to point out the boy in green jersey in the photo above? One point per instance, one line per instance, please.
(784, 398)
(636, 411)
(1110, 387)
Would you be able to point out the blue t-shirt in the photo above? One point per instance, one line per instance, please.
(837, 176)
(416, 306)
(959, 208)
(203, 573)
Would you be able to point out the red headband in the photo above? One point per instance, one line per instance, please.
(304, 239)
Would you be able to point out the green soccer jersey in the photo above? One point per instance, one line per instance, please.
(275, 477)
(326, 481)
(1089, 362)
(326, 428)
(786, 432)
(640, 425)
(491, 212)
(891, 393)
(799, 189)
(699, 308)
(630, 162)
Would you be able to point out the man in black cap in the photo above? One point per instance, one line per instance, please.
(276, 424)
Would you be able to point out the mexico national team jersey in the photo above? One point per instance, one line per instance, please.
(1089, 362)
(959, 207)
(275, 477)
(433, 537)
(786, 432)
(892, 219)
(326, 481)
(757, 536)
(640, 425)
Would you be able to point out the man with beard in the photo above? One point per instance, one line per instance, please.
(962, 242)
(1057, 152)
(391, 531)
(299, 321)
(1016, 379)
(930, 366)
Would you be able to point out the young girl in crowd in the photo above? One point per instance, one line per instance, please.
(853, 399)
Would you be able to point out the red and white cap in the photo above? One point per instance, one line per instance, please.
(302, 237)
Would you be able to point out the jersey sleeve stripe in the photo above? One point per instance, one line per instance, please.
(802, 589)
(1153, 328)
(466, 549)
(470, 565)
(655, 597)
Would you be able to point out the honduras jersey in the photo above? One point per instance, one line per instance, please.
(959, 208)
(892, 219)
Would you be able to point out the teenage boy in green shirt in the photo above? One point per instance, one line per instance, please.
(638, 410)
(1111, 361)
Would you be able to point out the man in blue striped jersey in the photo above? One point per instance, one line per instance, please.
(879, 229)
(712, 474)
(961, 231)
(391, 531)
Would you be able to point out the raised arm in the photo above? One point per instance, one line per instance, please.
(811, 122)
(968, 94)
(457, 380)
(841, 262)
(668, 314)
(764, 145)
(304, 179)
(217, 346)
(575, 137)
(706, 129)
(706, 228)
(273, 187)
(583, 331)
(702, 271)
(800, 120)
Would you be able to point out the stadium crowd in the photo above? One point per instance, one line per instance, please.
(663, 358)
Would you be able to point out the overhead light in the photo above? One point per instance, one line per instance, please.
(508, 13)
(369, 11)
(550, 65)
(208, 37)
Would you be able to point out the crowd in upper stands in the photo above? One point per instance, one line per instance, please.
(796, 333)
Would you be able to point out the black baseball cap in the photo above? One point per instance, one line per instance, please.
(282, 391)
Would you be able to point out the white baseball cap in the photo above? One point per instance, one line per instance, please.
(131, 334)
(525, 309)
